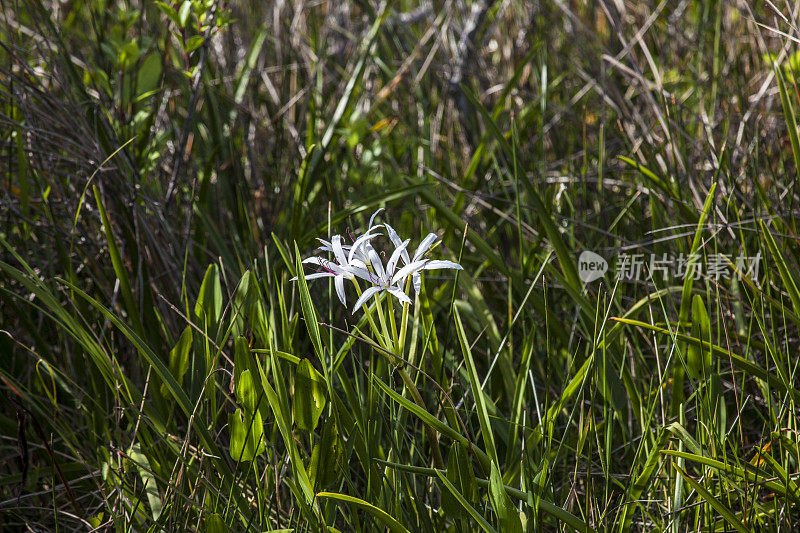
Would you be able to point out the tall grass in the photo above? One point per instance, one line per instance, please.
(164, 167)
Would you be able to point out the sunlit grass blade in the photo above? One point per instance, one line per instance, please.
(379, 514)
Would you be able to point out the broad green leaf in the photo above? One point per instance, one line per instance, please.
(241, 357)
(309, 396)
(678, 374)
(209, 301)
(128, 55)
(326, 456)
(169, 11)
(194, 42)
(148, 479)
(179, 361)
(184, 12)
(305, 494)
(246, 392)
(215, 524)
(243, 298)
(247, 435)
(149, 75)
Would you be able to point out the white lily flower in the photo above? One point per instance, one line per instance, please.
(340, 270)
(357, 252)
(413, 265)
(361, 260)
(384, 279)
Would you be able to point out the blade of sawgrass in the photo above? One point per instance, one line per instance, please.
(477, 391)
(789, 116)
(484, 525)
(678, 372)
(309, 312)
(789, 279)
(119, 269)
(746, 472)
(276, 398)
(379, 514)
(736, 360)
(724, 511)
(635, 491)
(547, 506)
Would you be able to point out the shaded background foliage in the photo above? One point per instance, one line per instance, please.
(223, 132)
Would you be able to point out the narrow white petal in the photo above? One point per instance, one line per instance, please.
(316, 275)
(366, 295)
(375, 261)
(404, 272)
(336, 242)
(359, 244)
(396, 257)
(339, 282)
(357, 263)
(362, 273)
(395, 238)
(438, 264)
(372, 218)
(360, 255)
(321, 261)
(416, 280)
(426, 243)
(400, 295)
(392, 234)
(326, 245)
(335, 268)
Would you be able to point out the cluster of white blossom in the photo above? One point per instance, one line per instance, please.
(361, 260)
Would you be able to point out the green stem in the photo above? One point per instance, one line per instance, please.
(390, 310)
(401, 345)
(382, 319)
(375, 331)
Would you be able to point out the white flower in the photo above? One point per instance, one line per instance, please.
(357, 252)
(413, 265)
(340, 270)
(361, 260)
(384, 279)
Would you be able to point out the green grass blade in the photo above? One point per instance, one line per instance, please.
(477, 390)
(725, 512)
(379, 514)
(486, 526)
